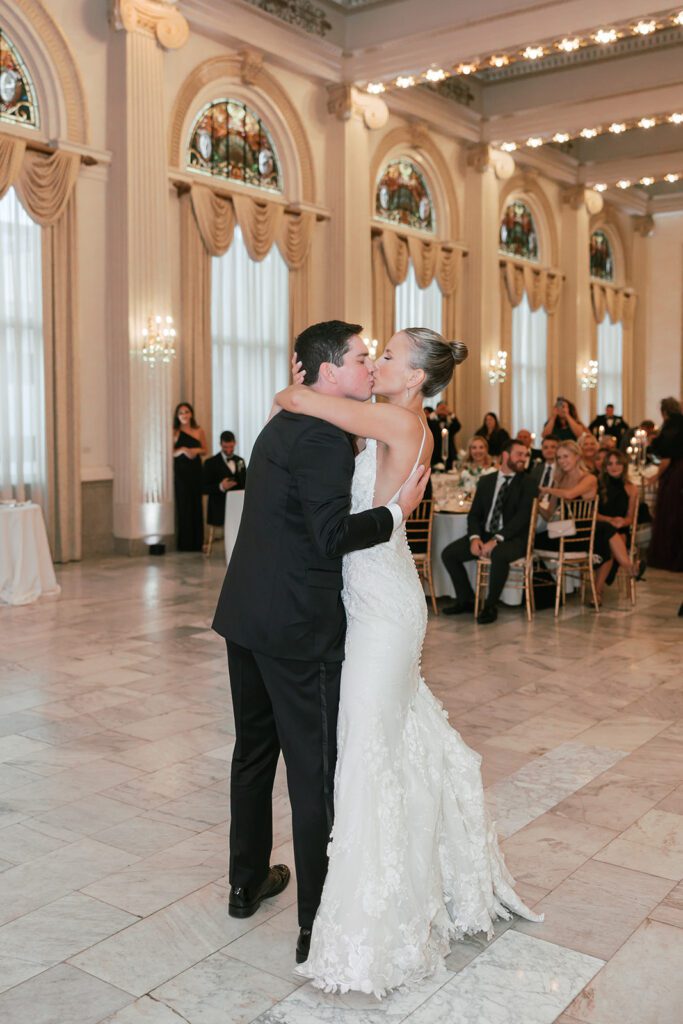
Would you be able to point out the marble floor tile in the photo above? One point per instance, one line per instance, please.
(642, 983)
(653, 843)
(596, 909)
(61, 995)
(549, 849)
(517, 979)
(270, 946)
(538, 735)
(613, 800)
(672, 802)
(626, 731)
(196, 812)
(220, 990)
(670, 910)
(658, 760)
(141, 836)
(144, 1011)
(29, 840)
(91, 814)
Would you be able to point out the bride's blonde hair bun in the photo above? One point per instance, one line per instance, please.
(436, 356)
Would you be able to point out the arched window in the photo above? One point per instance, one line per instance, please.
(402, 196)
(229, 140)
(518, 232)
(17, 93)
(601, 259)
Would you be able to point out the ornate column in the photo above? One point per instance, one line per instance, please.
(139, 269)
(578, 334)
(350, 286)
(485, 168)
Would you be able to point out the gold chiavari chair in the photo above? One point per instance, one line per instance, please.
(568, 561)
(419, 534)
(521, 574)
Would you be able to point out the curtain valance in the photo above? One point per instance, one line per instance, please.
(430, 259)
(618, 303)
(541, 285)
(44, 183)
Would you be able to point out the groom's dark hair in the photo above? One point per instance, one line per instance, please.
(324, 343)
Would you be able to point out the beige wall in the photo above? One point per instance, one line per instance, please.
(665, 312)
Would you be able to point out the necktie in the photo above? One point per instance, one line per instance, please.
(497, 514)
(547, 475)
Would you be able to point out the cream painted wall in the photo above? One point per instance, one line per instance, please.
(663, 359)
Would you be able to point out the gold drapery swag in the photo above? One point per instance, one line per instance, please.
(618, 303)
(541, 285)
(45, 187)
(208, 222)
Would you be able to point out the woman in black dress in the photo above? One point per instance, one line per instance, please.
(495, 435)
(564, 422)
(617, 514)
(666, 546)
(189, 444)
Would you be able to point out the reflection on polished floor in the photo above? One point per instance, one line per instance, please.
(115, 744)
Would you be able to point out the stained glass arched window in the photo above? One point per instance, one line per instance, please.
(17, 93)
(518, 232)
(230, 140)
(402, 196)
(601, 260)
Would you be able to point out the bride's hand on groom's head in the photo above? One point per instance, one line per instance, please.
(298, 373)
(413, 491)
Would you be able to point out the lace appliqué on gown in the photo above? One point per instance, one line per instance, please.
(414, 858)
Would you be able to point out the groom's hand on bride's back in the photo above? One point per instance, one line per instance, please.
(413, 491)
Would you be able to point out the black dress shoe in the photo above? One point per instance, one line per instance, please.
(487, 615)
(245, 902)
(303, 945)
(459, 608)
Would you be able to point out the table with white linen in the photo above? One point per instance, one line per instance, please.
(447, 527)
(234, 503)
(26, 570)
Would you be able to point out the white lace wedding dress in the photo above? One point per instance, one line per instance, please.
(414, 859)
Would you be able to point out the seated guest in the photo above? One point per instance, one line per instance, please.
(495, 435)
(617, 510)
(534, 454)
(497, 528)
(543, 472)
(602, 453)
(574, 480)
(564, 421)
(478, 461)
(612, 426)
(223, 472)
(443, 419)
(589, 449)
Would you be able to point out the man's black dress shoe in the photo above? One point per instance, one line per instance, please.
(459, 608)
(245, 902)
(487, 615)
(303, 945)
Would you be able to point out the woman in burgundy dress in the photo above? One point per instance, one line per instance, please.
(666, 546)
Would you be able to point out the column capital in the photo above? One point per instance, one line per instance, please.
(644, 226)
(578, 196)
(159, 19)
(345, 102)
(251, 66)
(484, 157)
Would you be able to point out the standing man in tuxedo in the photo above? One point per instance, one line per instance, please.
(223, 472)
(497, 528)
(281, 613)
(443, 419)
(614, 426)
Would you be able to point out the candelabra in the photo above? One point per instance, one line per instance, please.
(158, 344)
(498, 368)
(589, 375)
(637, 449)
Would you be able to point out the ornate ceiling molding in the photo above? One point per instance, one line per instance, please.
(158, 18)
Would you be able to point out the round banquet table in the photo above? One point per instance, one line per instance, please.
(234, 503)
(26, 570)
(447, 527)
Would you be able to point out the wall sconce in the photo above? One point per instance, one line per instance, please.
(372, 344)
(158, 340)
(498, 368)
(589, 375)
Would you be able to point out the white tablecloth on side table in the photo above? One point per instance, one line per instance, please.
(26, 570)
(234, 503)
(449, 526)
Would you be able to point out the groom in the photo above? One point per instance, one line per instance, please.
(281, 613)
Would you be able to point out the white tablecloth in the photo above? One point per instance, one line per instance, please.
(447, 528)
(234, 503)
(26, 570)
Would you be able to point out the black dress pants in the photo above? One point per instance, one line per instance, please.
(281, 704)
(456, 554)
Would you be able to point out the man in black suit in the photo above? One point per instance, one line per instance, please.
(542, 471)
(614, 426)
(281, 613)
(533, 454)
(222, 473)
(497, 528)
(443, 419)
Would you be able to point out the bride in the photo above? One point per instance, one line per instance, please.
(413, 860)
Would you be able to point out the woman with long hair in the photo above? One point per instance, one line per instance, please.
(666, 546)
(189, 444)
(617, 512)
(478, 459)
(564, 421)
(495, 435)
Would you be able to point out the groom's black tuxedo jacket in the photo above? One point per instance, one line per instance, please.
(282, 591)
(516, 507)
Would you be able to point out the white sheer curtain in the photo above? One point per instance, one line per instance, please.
(250, 343)
(528, 368)
(610, 341)
(419, 307)
(23, 463)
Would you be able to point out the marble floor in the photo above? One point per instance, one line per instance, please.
(115, 742)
